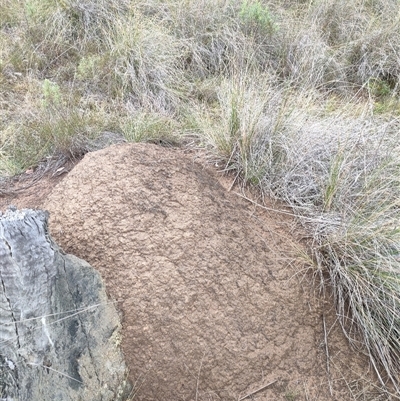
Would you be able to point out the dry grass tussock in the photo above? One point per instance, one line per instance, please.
(299, 98)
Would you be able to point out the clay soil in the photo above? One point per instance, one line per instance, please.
(216, 301)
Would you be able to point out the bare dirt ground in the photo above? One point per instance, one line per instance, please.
(216, 301)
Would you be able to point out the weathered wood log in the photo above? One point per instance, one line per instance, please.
(59, 334)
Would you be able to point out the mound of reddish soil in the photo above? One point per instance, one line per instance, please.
(212, 308)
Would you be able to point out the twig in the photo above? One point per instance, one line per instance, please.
(327, 355)
(256, 391)
(233, 182)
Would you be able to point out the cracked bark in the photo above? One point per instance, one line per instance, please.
(49, 350)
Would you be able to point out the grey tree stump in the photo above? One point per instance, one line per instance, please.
(59, 334)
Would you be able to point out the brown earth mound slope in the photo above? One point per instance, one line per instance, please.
(212, 310)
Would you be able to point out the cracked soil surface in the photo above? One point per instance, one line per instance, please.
(215, 301)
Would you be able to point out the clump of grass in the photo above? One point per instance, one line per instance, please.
(363, 258)
(145, 63)
(50, 123)
(257, 16)
(151, 128)
(239, 128)
(43, 136)
(291, 395)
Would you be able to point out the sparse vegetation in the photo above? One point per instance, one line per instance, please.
(300, 98)
(291, 395)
